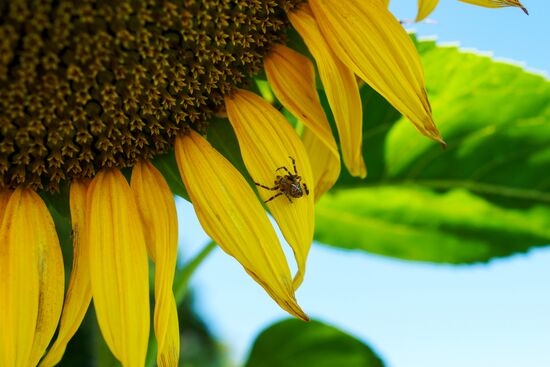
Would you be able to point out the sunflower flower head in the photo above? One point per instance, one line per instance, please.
(93, 92)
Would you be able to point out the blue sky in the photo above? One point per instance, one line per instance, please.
(412, 314)
(508, 33)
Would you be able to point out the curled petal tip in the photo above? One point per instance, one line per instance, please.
(434, 134)
(425, 8)
(363, 170)
(440, 140)
(497, 4)
(298, 312)
(293, 307)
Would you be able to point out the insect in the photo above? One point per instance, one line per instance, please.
(290, 185)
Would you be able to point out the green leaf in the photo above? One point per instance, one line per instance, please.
(223, 138)
(487, 195)
(166, 164)
(495, 118)
(293, 343)
(416, 223)
(59, 207)
(378, 119)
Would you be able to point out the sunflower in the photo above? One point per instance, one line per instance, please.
(93, 91)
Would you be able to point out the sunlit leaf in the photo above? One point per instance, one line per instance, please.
(486, 195)
(416, 223)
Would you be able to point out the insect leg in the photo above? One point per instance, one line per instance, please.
(286, 169)
(274, 188)
(293, 164)
(288, 197)
(305, 188)
(273, 197)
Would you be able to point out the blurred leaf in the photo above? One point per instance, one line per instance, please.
(183, 274)
(82, 349)
(199, 348)
(486, 195)
(293, 343)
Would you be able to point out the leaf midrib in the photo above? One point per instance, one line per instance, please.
(483, 188)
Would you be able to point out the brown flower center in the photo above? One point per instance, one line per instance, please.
(101, 83)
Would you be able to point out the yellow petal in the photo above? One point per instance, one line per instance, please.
(292, 77)
(157, 210)
(118, 267)
(231, 215)
(32, 273)
(325, 166)
(496, 3)
(51, 276)
(79, 293)
(372, 43)
(425, 7)
(268, 143)
(170, 352)
(340, 87)
(19, 286)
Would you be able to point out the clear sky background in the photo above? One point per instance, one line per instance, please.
(413, 314)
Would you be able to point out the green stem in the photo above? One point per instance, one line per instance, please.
(181, 282)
